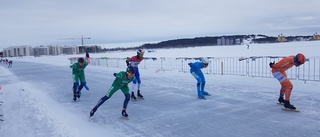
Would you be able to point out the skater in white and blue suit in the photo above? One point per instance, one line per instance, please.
(195, 70)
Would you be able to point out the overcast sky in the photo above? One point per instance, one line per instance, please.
(48, 22)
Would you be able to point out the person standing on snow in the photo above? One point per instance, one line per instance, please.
(134, 62)
(78, 75)
(123, 78)
(195, 70)
(10, 63)
(279, 72)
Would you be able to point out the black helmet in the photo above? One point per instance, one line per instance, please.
(80, 60)
(131, 70)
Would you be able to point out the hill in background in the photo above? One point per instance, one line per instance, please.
(217, 41)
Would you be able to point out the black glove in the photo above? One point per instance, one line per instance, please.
(127, 63)
(87, 55)
(189, 63)
(115, 74)
(271, 64)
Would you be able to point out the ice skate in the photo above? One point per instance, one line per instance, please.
(200, 96)
(78, 94)
(93, 111)
(133, 97)
(281, 100)
(288, 105)
(139, 95)
(124, 114)
(74, 97)
(205, 93)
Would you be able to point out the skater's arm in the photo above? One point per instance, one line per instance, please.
(283, 63)
(118, 75)
(128, 60)
(85, 64)
(196, 65)
(73, 65)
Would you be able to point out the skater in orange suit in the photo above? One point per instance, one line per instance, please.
(279, 72)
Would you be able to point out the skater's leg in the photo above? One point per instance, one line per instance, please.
(109, 94)
(100, 102)
(287, 89)
(281, 94)
(125, 91)
(82, 79)
(82, 84)
(85, 86)
(75, 79)
(75, 88)
(281, 76)
(137, 75)
(139, 84)
(287, 92)
(203, 83)
(133, 88)
(199, 81)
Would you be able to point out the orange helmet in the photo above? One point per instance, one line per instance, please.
(300, 58)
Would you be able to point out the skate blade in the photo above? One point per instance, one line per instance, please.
(280, 103)
(90, 118)
(292, 110)
(123, 117)
(201, 98)
(208, 95)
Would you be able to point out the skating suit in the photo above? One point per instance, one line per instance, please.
(134, 62)
(195, 70)
(279, 72)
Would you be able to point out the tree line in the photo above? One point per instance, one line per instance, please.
(210, 41)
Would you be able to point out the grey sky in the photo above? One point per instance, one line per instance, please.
(44, 22)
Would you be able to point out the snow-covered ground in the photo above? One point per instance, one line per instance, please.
(36, 99)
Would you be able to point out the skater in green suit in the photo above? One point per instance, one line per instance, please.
(78, 75)
(123, 78)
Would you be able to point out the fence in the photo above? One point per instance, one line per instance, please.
(256, 66)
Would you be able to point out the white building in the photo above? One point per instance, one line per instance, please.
(16, 51)
(54, 50)
(70, 50)
(41, 50)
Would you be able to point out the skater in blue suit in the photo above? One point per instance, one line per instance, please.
(195, 70)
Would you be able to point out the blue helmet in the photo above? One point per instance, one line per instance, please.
(140, 51)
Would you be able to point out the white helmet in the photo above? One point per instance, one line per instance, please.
(205, 61)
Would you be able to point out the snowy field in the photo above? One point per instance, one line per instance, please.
(36, 99)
